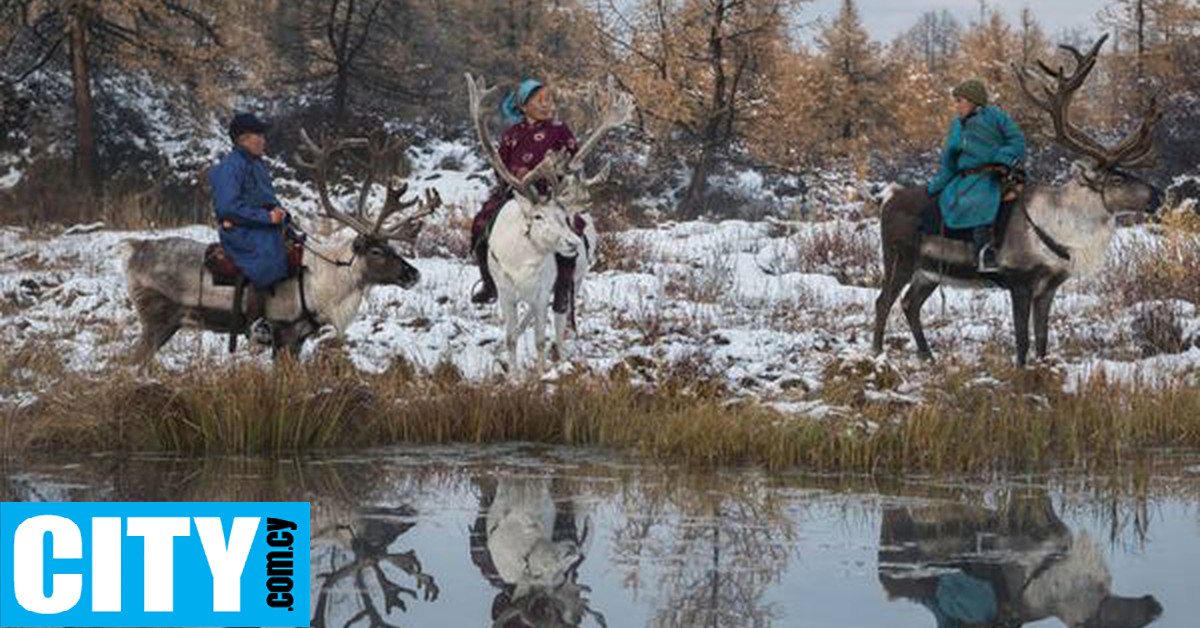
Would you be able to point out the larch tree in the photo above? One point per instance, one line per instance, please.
(700, 70)
(175, 36)
(851, 79)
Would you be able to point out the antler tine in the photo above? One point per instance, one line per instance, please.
(379, 154)
(549, 171)
(1059, 90)
(477, 92)
(618, 110)
(320, 156)
(408, 228)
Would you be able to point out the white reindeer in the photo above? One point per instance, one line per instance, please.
(530, 229)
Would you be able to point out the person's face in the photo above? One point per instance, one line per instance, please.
(254, 143)
(540, 106)
(964, 107)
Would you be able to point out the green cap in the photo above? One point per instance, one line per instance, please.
(974, 91)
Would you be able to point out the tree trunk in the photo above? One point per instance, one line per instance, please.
(85, 113)
(341, 93)
(692, 204)
(1140, 18)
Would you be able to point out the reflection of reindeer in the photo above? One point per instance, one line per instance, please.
(359, 554)
(974, 567)
(530, 546)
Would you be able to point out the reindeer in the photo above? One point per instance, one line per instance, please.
(171, 288)
(529, 541)
(1052, 233)
(1008, 567)
(536, 225)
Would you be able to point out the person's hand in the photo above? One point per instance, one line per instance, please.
(278, 215)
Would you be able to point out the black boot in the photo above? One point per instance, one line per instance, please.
(984, 248)
(487, 289)
(564, 284)
(260, 330)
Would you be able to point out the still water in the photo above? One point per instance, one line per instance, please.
(521, 536)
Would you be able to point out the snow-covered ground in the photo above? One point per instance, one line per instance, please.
(767, 306)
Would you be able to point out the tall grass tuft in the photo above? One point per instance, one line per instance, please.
(1021, 421)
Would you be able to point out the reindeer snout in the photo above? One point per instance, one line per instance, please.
(1156, 200)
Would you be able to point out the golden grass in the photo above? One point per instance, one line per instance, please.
(1021, 423)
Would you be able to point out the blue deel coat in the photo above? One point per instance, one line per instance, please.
(243, 195)
(987, 137)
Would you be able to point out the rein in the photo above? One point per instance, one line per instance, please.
(338, 263)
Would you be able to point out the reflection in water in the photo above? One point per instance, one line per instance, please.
(717, 553)
(971, 566)
(528, 541)
(568, 543)
(361, 574)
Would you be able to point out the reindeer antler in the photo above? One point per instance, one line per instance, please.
(319, 159)
(617, 110)
(381, 156)
(1058, 88)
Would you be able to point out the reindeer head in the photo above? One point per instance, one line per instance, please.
(556, 190)
(374, 254)
(1102, 170)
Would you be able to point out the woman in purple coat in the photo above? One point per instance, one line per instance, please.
(533, 132)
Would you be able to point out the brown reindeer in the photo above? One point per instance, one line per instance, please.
(1052, 233)
(171, 288)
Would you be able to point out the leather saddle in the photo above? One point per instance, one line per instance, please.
(225, 273)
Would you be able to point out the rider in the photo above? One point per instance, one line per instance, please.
(533, 133)
(249, 217)
(984, 146)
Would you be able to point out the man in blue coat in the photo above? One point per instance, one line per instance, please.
(983, 147)
(249, 217)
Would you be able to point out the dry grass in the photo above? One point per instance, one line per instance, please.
(1155, 271)
(1018, 421)
(852, 256)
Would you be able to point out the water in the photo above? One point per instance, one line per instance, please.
(519, 536)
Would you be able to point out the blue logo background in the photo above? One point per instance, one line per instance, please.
(193, 590)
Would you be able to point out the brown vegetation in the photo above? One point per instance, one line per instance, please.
(1016, 421)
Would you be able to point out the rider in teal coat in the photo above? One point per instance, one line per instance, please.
(983, 146)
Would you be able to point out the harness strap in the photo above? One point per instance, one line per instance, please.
(338, 263)
(306, 314)
(239, 317)
(1055, 247)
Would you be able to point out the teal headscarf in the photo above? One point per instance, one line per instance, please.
(511, 107)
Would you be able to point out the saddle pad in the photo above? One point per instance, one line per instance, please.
(225, 273)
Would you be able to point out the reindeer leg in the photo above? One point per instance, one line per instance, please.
(1042, 301)
(160, 319)
(1021, 301)
(558, 348)
(918, 292)
(509, 310)
(896, 276)
(539, 337)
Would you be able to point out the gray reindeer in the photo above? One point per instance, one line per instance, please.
(171, 288)
(1052, 232)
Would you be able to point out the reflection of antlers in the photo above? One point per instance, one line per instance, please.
(369, 556)
(1058, 89)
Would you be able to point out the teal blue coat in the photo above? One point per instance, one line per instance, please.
(986, 137)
